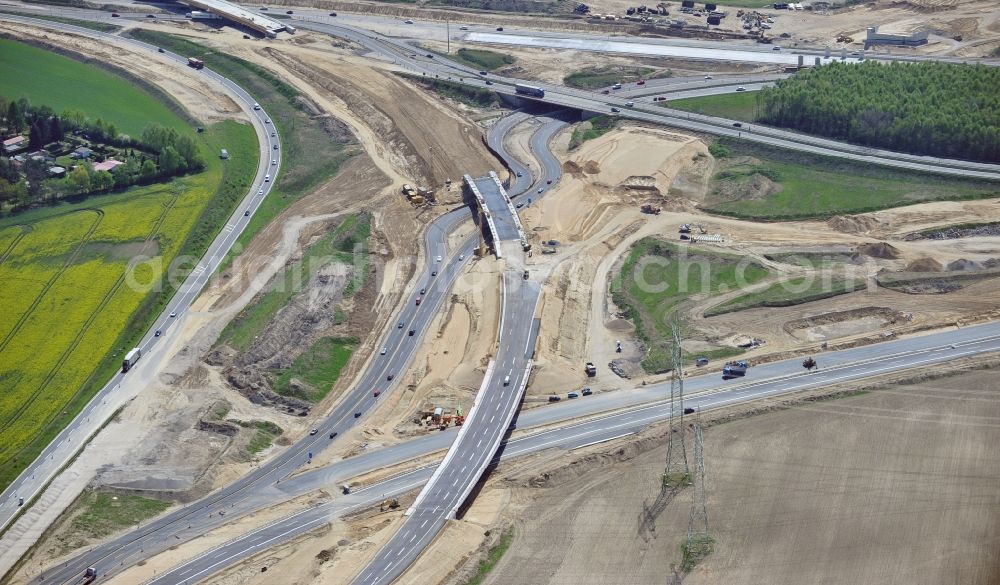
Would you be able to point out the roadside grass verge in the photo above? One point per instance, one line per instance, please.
(266, 432)
(493, 557)
(98, 514)
(471, 96)
(342, 244)
(483, 59)
(590, 129)
(736, 106)
(657, 276)
(314, 148)
(597, 77)
(318, 366)
(765, 183)
(92, 25)
(796, 291)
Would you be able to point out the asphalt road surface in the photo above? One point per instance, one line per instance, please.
(636, 409)
(474, 447)
(119, 389)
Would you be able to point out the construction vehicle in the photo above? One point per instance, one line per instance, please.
(687, 228)
(130, 359)
(844, 39)
(90, 575)
(736, 369)
(650, 209)
(196, 63)
(388, 503)
(591, 369)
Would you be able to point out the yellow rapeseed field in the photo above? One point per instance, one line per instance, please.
(66, 299)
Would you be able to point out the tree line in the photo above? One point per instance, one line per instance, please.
(934, 109)
(158, 154)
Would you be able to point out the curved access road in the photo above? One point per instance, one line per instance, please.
(122, 387)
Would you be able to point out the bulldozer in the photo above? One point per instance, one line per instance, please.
(388, 504)
(650, 209)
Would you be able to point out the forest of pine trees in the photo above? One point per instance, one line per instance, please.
(935, 109)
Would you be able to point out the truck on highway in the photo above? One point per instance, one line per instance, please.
(130, 359)
(734, 370)
(196, 63)
(90, 575)
(529, 90)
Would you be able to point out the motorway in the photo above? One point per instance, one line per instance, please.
(118, 390)
(360, 399)
(576, 423)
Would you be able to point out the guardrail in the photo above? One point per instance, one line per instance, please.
(486, 211)
(513, 211)
(473, 411)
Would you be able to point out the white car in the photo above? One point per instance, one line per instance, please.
(273, 162)
(741, 88)
(408, 21)
(261, 192)
(256, 106)
(438, 259)
(461, 256)
(173, 313)
(708, 77)
(267, 120)
(463, 28)
(383, 351)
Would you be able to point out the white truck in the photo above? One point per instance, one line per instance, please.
(130, 359)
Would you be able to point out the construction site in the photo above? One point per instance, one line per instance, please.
(853, 482)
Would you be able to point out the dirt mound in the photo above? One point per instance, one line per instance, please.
(963, 264)
(885, 313)
(879, 250)
(591, 167)
(640, 182)
(754, 186)
(924, 265)
(573, 169)
(853, 224)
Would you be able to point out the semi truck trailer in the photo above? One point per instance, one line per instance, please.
(130, 359)
(529, 90)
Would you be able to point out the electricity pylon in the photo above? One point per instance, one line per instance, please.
(699, 542)
(676, 473)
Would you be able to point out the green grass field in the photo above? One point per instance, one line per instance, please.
(91, 24)
(83, 280)
(319, 366)
(483, 59)
(657, 276)
(591, 129)
(103, 514)
(809, 186)
(736, 106)
(46, 78)
(788, 293)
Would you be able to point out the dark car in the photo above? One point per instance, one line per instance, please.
(333, 14)
(587, 392)
(376, 393)
(246, 213)
(737, 124)
(430, 55)
(332, 435)
(399, 325)
(701, 361)
(357, 414)
(482, 73)
(572, 395)
(412, 332)
(499, 29)
(289, 12)
(157, 334)
(150, 16)
(161, 50)
(554, 399)
(115, 15)
(390, 377)
(435, 273)
(423, 291)
(688, 410)
(488, 82)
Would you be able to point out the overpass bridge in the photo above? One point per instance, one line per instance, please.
(253, 20)
(495, 206)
